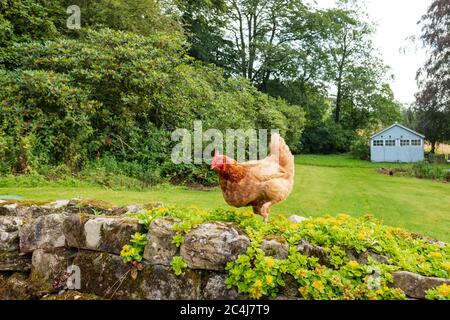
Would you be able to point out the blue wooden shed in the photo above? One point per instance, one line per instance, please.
(397, 143)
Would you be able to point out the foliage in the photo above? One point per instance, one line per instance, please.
(440, 293)
(360, 148)
(135, 250)
(294, 50)
(112, 98)
(44, 120)
(178, 264)
(434, 94)
(433, 122)
(425, 170)
(326, 137)
(143, 17)
(259, 32)
(203, 22)
(256, 274)
(261, 276)
(25, 20)
(363, 97)
(29, 20)
(178, 240)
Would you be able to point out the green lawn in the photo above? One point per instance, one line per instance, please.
(323, 185)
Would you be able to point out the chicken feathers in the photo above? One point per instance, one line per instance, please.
(259, 184)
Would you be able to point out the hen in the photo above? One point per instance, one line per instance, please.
(259, 184)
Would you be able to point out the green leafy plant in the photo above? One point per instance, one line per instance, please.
(135, 251)
(259, 276)
(425, 170)
(178, 239)
(178, 265)
(440, 293)
(73, 102)
(256, 274)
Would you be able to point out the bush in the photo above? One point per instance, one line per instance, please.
(44, 120)
(326, 137)
(118, 95)
(360, 148)
(425, 170)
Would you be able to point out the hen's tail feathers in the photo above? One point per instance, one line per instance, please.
(281, 152)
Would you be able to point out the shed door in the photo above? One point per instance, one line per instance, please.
(398, 151)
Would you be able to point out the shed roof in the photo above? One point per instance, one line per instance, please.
(398, 125)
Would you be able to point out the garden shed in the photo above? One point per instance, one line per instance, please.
(397, 143)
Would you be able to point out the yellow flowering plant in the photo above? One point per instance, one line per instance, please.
(440, 293)
(135, 250)
(256, 274)
(341, 277)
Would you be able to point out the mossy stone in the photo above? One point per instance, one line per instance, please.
(106, 275)
(72, 295)
(14, 261)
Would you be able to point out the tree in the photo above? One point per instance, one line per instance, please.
(144, 17)
(434, 124)
(256, 28)
(24, 20)
(133, 92)
(204, 23)
(433, 99)
(354, 70)
(409, 116)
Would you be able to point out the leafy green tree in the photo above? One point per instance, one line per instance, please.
(434, 124)
(204, 23)
(433, 99)
(409, 116)
(353, 68)
(144, 17)
(256, 28)
(384, 109)
(142, 89)
(25, 20)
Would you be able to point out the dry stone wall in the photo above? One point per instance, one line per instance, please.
(72, 249)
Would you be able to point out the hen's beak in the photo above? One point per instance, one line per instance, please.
(213, 162)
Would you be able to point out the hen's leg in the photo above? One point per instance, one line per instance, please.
(265, 211)
(257, 209)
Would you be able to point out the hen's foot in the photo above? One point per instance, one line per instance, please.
(265, 211)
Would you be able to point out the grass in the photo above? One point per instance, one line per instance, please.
(323, 185)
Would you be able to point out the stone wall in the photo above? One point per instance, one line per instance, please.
(46, 249)
(41, 244)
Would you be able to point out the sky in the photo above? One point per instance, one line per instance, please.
(397, 21)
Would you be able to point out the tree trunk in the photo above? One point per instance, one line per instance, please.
(241, 36)
(433, 147)
(341, 68)
(338, 100)
(252, 33)
(339, 88)
(265, 81)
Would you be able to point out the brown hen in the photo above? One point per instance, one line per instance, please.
(259, 184)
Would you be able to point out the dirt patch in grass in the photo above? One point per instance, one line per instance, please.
(393, 171)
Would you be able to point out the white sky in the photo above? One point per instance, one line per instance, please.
(396, 21)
